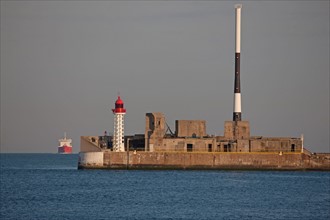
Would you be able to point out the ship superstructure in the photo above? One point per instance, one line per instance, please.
(65, 145)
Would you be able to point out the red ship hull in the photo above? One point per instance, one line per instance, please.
(64, 150)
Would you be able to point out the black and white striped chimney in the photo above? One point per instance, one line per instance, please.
(237, 90)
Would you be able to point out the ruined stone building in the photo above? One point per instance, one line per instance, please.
(190, 136)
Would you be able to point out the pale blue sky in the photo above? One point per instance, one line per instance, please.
(63, 62)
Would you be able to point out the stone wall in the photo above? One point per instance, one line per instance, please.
(92, 159)
(188, 144)
(190, 128)
(238, 130)
(89, 144)
(173, 160)
(154, 130)
(276, 145)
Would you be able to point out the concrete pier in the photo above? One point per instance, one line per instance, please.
(203, 161)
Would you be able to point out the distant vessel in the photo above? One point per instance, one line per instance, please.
(65, 146)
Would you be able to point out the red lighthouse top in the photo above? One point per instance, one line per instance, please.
(119, 106)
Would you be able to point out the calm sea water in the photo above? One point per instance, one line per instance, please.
(49, 186)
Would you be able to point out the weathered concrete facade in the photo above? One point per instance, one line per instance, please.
(190, 128)
(212, 160)
(190, 136)
(237, 130)
(155, 131)
(90, 144)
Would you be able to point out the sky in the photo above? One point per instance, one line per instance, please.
(63, 63)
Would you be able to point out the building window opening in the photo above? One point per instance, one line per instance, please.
(210, 148)
(189, 147)
(226, 148)
(293, 147)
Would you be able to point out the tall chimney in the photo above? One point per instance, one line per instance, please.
(237, 90)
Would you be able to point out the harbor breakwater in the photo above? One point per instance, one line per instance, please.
(203, 161)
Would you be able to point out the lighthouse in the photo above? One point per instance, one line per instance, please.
(118, 135)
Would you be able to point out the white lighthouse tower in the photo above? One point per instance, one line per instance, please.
(118, 134)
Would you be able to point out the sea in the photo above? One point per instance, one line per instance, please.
(49, 186)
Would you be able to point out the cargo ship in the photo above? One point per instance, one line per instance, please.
(65, 146)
